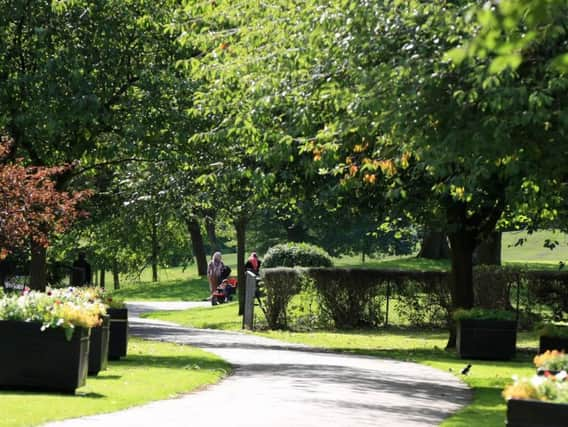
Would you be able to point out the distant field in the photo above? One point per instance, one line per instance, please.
(533, 251)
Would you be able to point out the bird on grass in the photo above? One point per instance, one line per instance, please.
(465, 370)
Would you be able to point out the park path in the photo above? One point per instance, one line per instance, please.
(285, 385)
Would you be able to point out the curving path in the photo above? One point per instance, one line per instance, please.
(281, 385)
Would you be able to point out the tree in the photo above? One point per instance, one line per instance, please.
(369, 91)
(86, 81)
(31, 207)
(509, 29)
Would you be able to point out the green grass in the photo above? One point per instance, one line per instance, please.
(223, 316)
(533, 251)
(175, 284)
(191, 289)
(151, 371)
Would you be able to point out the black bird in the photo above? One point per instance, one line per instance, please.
(465, 370)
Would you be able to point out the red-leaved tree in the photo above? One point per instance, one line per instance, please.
(31, 207)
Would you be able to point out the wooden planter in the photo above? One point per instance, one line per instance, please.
(98, 347)
(42, 360)
(487, 339)
(535, 413)
(552, 343)
(118, 339)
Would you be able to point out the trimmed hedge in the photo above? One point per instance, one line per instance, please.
(280, 285)
(356, 297)
(296, 255)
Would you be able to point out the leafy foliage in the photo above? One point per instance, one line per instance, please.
(296, 255)
(280, 284)
(483, 314)
(31, 206)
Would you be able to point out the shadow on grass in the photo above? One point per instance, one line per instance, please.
(39, 392)
(105, 377)
(175, 362)
(175, 290)
(438, 355)
(489, 410)
(90, 395)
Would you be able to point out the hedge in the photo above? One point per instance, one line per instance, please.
(356, 297)
(296, 255)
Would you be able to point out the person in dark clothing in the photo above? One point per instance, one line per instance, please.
(81, 271)
(253, 263)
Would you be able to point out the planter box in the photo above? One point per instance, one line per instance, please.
(487, 339)
(535, 413)
(98, 347)
(552, 343)
(118, 339)
(32, 359)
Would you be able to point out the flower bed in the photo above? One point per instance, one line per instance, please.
(541, 400)
(45, 338)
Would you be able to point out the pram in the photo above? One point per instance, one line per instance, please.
(224, 291)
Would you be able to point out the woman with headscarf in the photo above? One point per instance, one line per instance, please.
(253, 263)
(215, 271)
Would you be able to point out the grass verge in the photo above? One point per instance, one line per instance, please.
(486, 378)
(151, 371)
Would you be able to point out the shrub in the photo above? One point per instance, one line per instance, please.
(483, 314)
(351, 297)
(280, 285)
(296, 255)
(424, 299)
(493, 285)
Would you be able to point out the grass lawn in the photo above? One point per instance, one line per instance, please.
(151, 371)
(487, 378)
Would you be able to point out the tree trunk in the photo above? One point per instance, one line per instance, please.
(155, 252)
(489, 250)
(462, 246)
(197, 246)
(240, 227)
(115, 276)
(102, 281)
(38, 267)
(210, 228)
(434, 246)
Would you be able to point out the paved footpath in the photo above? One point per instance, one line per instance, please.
(285, 385)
